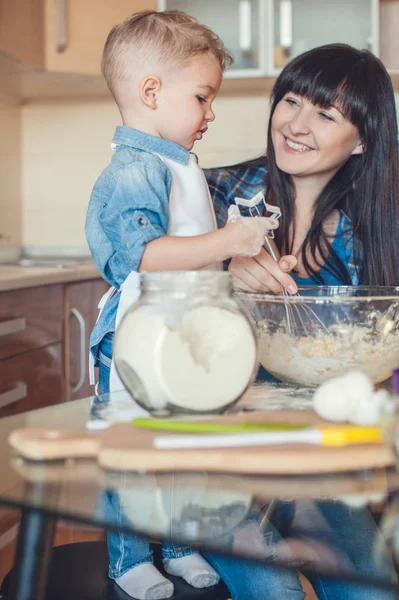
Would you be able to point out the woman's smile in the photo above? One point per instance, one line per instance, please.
(295, 147)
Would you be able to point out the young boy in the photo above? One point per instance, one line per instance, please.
(150, 210)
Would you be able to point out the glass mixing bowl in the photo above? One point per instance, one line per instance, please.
(327, 330)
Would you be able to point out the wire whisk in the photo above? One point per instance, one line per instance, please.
(298, 315)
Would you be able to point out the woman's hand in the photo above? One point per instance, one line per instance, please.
(262, 273)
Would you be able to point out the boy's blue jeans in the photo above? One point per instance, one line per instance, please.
(125, 551)
(352, 531)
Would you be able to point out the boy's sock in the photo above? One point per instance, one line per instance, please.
(194, 569)
(145, 582)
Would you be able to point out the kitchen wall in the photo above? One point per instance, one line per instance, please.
(65, 145)
(52, 152)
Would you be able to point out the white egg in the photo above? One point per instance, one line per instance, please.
(339, 399)
(358, 386)
(367, 411)
(330, 400)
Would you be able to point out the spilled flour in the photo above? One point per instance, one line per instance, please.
(309, 360)
(204, 363)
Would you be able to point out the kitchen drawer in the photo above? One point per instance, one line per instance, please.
(30, 318)
(31, 380)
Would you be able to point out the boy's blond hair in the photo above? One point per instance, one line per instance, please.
(171, 37)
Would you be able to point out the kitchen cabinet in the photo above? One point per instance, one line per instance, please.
(240, 23)
(389, 34)
(296, 26)
(264, 35)
(30, 319)
(22, 30)
(62, 35)
(44, 344)
(31, 380)
(31, 353)
(81, 301)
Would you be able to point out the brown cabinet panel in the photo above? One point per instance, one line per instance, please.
(389, 34)
(30, 318)
(31, 380)
(87, 25)
(22, 30)
(64, 36)
(81, 302)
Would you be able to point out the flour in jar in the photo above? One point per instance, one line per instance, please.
(310, 360)
(204, 363)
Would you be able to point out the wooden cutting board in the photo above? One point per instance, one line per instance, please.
(124, 448)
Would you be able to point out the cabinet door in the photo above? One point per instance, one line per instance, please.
(299, 25)
(75, 31)
(81, 302)
(239, 23)
(389, 34)
(22, 30)
(31, 380)
(30, 318)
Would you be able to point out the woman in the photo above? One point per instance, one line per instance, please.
(332, 166)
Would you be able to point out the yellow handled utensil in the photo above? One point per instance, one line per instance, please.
(334, 435)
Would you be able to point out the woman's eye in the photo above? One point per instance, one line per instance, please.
(201, 99)
(326, 116)
(290, 101)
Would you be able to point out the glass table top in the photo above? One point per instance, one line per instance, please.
(343, 525)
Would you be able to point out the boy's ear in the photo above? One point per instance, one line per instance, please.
(359, 149)
(149, 90)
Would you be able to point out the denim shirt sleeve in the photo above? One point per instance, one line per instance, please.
(134, 213)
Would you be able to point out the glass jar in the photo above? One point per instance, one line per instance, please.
(187, 345)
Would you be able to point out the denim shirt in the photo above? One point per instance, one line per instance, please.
(245, 181)
(129, 207)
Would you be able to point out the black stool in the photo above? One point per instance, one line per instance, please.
(79, 572)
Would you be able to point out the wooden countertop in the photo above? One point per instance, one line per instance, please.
(13, 277)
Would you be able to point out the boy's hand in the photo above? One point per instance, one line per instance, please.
(247, 234)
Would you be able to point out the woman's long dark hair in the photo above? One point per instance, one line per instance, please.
(366, 187)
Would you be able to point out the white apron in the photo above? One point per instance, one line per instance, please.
(190, 213)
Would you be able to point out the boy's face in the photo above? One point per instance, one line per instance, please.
(184, 106)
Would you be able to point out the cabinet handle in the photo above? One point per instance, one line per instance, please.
(82, 328)
(244, 26)
(286, 24)
(62, 41)
(10, 396)
(12, 326)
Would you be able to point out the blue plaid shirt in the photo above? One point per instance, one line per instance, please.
(227, 183)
